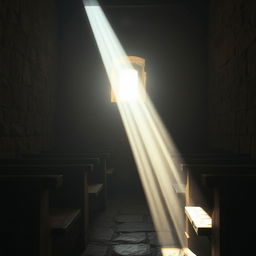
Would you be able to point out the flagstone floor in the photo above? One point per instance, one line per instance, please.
(124, 228)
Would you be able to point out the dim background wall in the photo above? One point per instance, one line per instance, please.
(172, 39)
(53, 85)
(232, 76)
(28, 70)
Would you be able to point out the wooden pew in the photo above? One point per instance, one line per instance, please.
(65, 231)
(188, 184)
(183, 163)
(195, 191)
(24, 214)
(233, 213)
(97, 179)
(105, 157)
(72, 195)
(219, 189)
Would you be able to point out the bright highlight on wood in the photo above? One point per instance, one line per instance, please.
(176, 252)
(200, 220)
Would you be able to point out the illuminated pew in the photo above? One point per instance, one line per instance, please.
(190, 183)
(190, 179)
(185, 200)
(72, 195)
(199, 219)
(221, 189)
(25, 225)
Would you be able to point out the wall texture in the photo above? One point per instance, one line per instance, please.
(28, 71)
(232, 76)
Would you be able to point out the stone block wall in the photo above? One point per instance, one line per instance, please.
(232, 76)
(28, 75)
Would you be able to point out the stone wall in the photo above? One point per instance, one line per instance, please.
(28, 69)
(232, 75)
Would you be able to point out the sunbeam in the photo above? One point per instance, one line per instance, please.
(151, 144)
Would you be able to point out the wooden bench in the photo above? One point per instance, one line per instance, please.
(96, 198)
(194, 159)
(98, 176)
(219, 188)
(65, 227)
(199, 219)
(74, 192)
(24, 214)
(105, 157)
(233, 213)
(188, 184)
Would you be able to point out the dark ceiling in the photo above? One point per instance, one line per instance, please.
(129, 2)
(136, 2)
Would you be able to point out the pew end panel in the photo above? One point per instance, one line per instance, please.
(73, 193)
(225, 188)
(25, 212)
(232, 217)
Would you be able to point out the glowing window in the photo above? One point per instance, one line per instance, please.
(130, 80)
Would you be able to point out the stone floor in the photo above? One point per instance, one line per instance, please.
(124, 228)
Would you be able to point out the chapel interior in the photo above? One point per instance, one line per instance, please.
(73, 180)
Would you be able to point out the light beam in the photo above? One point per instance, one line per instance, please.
(151, 145)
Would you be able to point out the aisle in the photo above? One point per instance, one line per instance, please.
(124, 228)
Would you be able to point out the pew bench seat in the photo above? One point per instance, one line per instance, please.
(96, 198)
(226, 191)
(110, 171)
(66, 233)
(95, 189)
(61, 219)
(199, 219)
